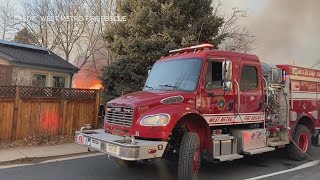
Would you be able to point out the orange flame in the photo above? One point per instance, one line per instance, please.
(91, 83)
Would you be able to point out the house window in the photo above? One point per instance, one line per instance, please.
(39, 80)
(249, 78)
(58, 81)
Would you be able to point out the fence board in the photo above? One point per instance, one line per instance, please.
(6, 118)
(41, 114)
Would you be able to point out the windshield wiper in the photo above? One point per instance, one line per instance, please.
(169, 85)
(149, 87)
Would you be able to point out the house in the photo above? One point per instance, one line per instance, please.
(29, 65)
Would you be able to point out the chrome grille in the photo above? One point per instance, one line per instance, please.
(120, 115)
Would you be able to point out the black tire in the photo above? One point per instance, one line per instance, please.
(124, 164)
(299, 153)
(189, 150)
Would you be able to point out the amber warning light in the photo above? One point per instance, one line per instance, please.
(193, 48)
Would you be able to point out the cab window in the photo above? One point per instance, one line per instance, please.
(214, 75)
(249, 78)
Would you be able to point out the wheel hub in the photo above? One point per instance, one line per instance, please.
(303, 142)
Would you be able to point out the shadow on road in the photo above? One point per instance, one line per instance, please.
(248, 167)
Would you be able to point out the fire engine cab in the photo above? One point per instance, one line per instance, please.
(200, 103)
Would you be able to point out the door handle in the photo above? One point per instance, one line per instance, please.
(231, 105)
(260, 105)
(238, 95)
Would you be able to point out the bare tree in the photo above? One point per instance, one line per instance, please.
(69, 23)
(38, 24)
(235, 36)
(73, 29)
(56, 24)
(7, 23)
(92, 51)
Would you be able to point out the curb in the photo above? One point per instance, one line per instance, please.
(36, 160)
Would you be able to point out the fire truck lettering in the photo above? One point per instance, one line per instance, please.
(255, 118)
(223, 119)
(219, 119)
(214, 119)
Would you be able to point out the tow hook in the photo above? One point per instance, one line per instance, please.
(86, 127)
(133, 140)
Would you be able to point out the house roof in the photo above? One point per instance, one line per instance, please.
(31, 55)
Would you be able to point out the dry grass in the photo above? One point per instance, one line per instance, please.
(39, 140)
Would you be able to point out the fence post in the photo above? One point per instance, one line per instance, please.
(97, 109)
(15, 114)
(62, 112)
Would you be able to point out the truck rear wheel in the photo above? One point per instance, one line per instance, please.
(302, 139)
(123, 163)
(189, 157)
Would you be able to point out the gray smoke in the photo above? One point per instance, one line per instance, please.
(288, 31)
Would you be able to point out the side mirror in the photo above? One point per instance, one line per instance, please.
(149, 70)
(227, 71)
(227, 86)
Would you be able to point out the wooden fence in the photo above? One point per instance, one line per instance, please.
(30, 111)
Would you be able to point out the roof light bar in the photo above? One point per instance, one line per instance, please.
(192, 48)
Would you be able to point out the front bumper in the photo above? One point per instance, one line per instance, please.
(120, 147)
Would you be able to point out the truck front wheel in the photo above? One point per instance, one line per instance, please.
(301, 145)
(189, 157)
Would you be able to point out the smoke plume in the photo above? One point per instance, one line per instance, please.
(288, 31)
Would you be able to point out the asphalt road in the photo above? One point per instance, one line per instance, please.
(101, 168)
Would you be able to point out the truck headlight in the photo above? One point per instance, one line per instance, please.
(155, 120)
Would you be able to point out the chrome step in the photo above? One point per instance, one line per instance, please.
(222, 137)
(228, 157)
(259, 151)
(278, 143)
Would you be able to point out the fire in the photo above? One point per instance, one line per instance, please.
(96, 86)
(89, 83)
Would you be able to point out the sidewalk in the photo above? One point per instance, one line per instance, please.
(41, 152)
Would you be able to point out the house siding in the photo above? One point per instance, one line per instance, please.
(4, 61)
(23, 76)
(5, 75)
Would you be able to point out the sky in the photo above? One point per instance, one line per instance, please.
(286, 31)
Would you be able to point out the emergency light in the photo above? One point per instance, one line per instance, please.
(193, 48)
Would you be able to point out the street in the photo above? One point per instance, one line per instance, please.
(101, 168)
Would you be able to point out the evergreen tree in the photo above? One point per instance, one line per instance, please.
(25, 36)
(153, 27)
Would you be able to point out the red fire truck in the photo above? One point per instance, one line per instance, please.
(204, 104)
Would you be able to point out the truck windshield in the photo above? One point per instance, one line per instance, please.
(181, 75)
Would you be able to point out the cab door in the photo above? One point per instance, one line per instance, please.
(217, 95)
(249, 93)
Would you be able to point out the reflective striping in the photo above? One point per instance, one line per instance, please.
(232, 114)
(301, 78)
(234, 119)
(303, 95)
